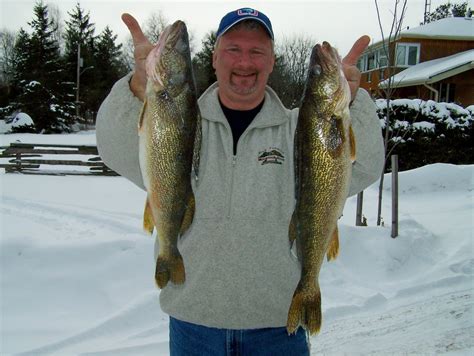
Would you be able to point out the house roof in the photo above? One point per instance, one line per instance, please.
(450, 28)
(432, 71)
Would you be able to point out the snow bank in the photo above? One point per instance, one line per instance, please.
(77, 271)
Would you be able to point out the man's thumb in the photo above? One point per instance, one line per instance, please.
(135, 29)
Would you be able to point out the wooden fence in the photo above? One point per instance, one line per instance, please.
(29, 158)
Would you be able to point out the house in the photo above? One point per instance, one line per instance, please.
(433, 61)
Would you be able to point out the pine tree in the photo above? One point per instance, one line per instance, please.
(39, 75)
(79, 36)
(202, 63)
(108, 65)
(19, 64)
(448, 10)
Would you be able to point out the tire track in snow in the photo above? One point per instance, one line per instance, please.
(61, 217)
(446, 320)
(139, 328)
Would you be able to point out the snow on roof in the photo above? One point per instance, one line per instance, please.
(459, 28)
(450, 28)
(433, 71)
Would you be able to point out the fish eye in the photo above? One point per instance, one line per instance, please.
(164, 95)
(317, 70)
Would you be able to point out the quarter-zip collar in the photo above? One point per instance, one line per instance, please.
(269, 115)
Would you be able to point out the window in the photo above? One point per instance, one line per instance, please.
(408, 54)
(382, 59)
(371, 61)
(382, 74)
(446, 92)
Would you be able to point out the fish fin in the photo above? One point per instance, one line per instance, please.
(188, 214)
(142, 116)
(292, 229)
(297, 162)
(333, 249)
(197, 146)
(305, 309)
(169, 267)
(352, 143)
(148, 221)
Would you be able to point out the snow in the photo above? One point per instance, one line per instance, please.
(20, 119)
(449, 115)
(432, 71)
(460, 28)
(77, 271)
(424, 126)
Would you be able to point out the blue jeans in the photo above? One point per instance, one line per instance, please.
(188, 339)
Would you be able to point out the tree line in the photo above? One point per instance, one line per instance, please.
(39, 69)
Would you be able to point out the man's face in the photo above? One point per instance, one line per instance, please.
(243, 61)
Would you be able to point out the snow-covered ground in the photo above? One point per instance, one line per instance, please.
(76, 271)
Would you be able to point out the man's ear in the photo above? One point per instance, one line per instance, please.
(214, 59)
(273, 64)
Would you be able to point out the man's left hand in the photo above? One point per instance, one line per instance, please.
(349, 64)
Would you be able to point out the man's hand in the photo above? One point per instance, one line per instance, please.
(142, 46)
(349, 64)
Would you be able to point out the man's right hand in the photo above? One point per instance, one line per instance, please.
(142, 46)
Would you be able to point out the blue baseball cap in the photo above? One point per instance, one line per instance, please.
(246, 13)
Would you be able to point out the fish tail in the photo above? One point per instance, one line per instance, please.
(169, 267)
(333, 249)
(305, 309)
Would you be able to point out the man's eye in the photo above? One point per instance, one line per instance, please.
(258, 52)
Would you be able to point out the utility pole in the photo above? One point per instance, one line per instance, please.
(427, 11)
(78, 75)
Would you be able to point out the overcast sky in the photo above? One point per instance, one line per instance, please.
(339, 22)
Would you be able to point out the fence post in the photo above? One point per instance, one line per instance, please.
(360, 199)
(18, 161)
(394, 196)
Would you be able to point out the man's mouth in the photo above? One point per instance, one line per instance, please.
(244, 75)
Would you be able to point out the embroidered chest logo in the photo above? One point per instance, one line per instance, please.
(271, 155)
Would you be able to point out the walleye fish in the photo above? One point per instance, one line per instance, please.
(324, 152)
(169, 136)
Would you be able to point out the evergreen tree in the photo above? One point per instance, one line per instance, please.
(202, 63)
(108, 66)
(447, 10)
(79, 36)
(39, 75)
(19, 64)
(459, 10)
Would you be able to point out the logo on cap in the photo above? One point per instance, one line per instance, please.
(247, 11)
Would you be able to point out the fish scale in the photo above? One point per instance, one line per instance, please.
(324, 151)
(169, 131)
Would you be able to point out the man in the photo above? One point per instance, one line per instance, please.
(240, 272)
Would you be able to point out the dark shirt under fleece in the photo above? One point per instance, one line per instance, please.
(239, 120)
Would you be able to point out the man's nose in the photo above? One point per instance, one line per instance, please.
(245, 59)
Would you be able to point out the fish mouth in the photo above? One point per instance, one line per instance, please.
(174, 38)
(176, 35)
(324, 58)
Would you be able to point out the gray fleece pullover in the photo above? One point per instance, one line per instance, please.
(240, 272)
